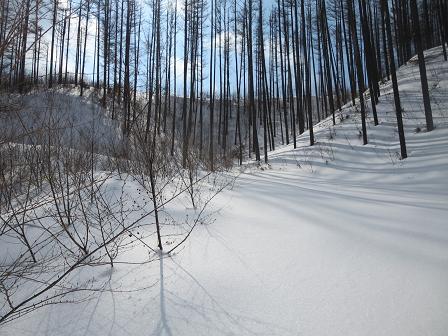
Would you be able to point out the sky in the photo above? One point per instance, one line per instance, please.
(90, 68)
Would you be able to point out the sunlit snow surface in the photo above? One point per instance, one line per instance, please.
(337, 239)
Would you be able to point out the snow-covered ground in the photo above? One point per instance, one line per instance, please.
(337, 239)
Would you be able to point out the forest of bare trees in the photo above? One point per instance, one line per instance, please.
(191, 88)
(225, 80)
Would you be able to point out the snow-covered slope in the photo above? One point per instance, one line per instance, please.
(337, 239)
(71, 120)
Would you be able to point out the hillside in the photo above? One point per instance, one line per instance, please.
(334, 239)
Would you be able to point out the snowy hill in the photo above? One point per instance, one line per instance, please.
(334, 239)
(75, 121)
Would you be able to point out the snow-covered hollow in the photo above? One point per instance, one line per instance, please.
(337, 239)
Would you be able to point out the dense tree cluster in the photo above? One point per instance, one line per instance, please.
(221, 79)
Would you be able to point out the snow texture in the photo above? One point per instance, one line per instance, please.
(334, 239)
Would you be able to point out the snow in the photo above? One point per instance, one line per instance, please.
(338, 239)
(74, 120)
